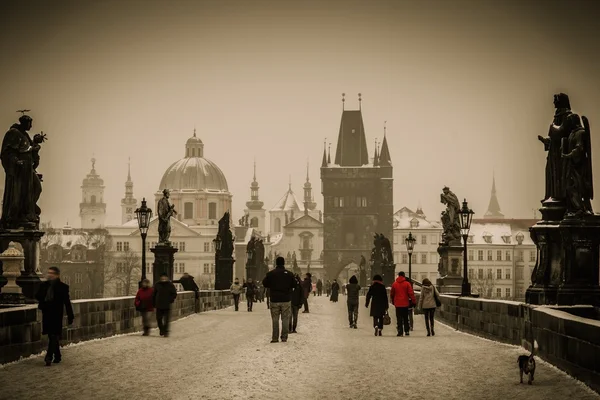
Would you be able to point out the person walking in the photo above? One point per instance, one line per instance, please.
(335, 291)
(328, 288)
(428, 303)
(401, 295)
(319, 287)
(250, 287)
(236, 291)
(297, 302)
(377, 297)
(143, 303)
(164, 295)
(343, 288)
(53, 297)
(307, 288)
(353, 290)
(280, 283)
(189, 284)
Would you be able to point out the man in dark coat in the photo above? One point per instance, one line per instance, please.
(164, 295)
(280, 283)
(297, 302)
(306, 288)
(319, 287)
(188, 283)
(53, 298)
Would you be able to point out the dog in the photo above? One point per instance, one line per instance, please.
(527, 366)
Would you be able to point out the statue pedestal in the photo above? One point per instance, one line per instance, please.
(362, 280)
(567, 268)
(223, 273)
(251, 272)
(30, 277)
(12, 261)
(164, 257)
(388, 272)
(449, 269)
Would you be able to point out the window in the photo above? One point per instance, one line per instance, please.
(206, 247)
(149, 267)
(404, 258)
(78, 277)
(254, 222)
(498, 274)
(93, 199)
(206, 268)
(487, 238)
(480, 255)
(181, 268)
(498, 292)
(490, 275)
(532, 255)
(277, 225)
(66, 279)
(423, 258)
(470, 273)
(120, 268)
(471, 255)
(507, 292)
(364, 202)
(433, 239)
(480, 273)
(507, 274)
(212, 210)
(125, 246)
(433, 258)
(508, 255)
(519, 273)
(414, 258)
(499, 255)
(520, 256)
(188, 210)
(424, 239)
(119, 246)
(490, 255)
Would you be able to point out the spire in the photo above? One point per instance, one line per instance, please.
(194, 130)
(343, 100)
(254, 178)
(329, 155)
(493, 210)
(290, 183)
(129, 169)
(376, 156)
(352, 144)
(309, 203)
(254, 203)
(359, 102)
(307, 165)
(324, 162)
(385, 160)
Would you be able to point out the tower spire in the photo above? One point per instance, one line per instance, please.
(290, 183)
(329, 155)
(194, 130)
(376, 156)
(254, 178)
(307, 166)
(493, 210)
(359, 102)
(343, 100)
(129, 169)
(385, 160)
(324, 162)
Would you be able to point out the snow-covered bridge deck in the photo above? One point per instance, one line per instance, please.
(227, 355)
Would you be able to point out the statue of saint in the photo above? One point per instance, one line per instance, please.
(251, 251)
(559, 128)
(165, 212)
(226, 236)
(387, 249)
(23, 185)
(450, 217)
(577, 153)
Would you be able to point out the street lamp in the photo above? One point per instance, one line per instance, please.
(217, 243)
(410, 246)
(144, 214)
(466, 217)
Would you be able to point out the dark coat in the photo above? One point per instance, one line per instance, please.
(53, 311)
(280, 283)
(251, 290)
(188, 284)
(319, 284)
(353, 291)
(307, 287)
(164, 295)
(335, 289)
(377, 296)
(298, 295)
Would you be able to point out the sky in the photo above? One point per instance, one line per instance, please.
(465, 88)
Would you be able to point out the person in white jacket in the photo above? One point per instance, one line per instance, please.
(428, 303)
(236, 290)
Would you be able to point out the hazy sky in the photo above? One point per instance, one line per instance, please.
(465, 87)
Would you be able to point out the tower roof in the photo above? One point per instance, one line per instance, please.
(288, 202)
(385, 160)
(352, 143)
(92, 178)
(493, 210)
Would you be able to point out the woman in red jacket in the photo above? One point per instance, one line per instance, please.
(143, 303)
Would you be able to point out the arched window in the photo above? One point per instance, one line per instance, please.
(93, 199)
(212, 210)
(277, 225)
(188, 210)
(254, 222)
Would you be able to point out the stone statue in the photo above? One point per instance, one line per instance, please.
(241, 221)
(288, 258)
(294, 256)
(165, 212)
(376, 251)
(387, 254)
(247, 220)
(23, 185)
(559, 129)
(251, 251)
(450, 217)
(577, 153)
(226, 236)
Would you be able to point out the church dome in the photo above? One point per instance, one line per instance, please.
(194, 171)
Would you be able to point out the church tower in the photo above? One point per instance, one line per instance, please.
(358, 195)
(255, 210)
(92, 209)
(128, 203)
(493, 211)
(309, 200)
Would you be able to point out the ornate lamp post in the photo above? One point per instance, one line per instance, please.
(410, 246)
(144, 214)
(466, 216)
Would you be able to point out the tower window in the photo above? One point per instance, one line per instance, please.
(188, 210)
(212, 210)
(93, 199)
(254, 222)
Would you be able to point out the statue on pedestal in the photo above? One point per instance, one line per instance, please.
(165, 212)
(226, 237)
(577, 175)
(20, 158)
(251, 251)
(450, 217)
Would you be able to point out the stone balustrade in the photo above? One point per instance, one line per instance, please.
(21, 328)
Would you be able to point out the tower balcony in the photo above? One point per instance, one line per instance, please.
(101, 206)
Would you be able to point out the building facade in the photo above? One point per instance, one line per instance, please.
(357, 195)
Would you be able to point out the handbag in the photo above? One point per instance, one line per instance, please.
(438, 303)
(386, 319)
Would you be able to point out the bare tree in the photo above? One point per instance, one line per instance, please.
(124, 268)
(484, 286)
(52, 235)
